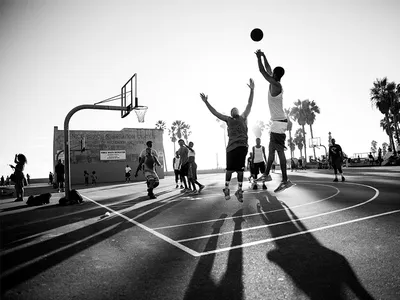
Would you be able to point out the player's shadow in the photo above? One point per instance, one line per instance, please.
(319, 272)
(202, 285)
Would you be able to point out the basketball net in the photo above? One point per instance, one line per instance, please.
(140, 112)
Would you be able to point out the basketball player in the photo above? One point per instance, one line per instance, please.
(278, 118)
(237, 148)
(336, 158)
(259, 160)
(192, 170)
(184, 165)
(149, 161)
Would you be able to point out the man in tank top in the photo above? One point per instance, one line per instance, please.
(259, 160)
(236, 150)
(278, 118)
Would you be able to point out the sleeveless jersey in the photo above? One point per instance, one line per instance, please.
(258, 154)
(276, 106)
(237, 133)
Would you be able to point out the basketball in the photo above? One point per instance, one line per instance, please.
(256, 34)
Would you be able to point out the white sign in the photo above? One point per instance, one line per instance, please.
(112, 154)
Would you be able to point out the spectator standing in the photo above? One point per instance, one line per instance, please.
(28, 179)
(20, 161)
(86, 176)
(51, 178)
(128, 173)
(60, 172)
(177, 172)
(94, 178)
(2, 180)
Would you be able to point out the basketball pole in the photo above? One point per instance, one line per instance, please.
(66, 138)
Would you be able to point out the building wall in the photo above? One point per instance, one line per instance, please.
(132, 140)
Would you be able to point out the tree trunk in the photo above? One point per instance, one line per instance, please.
(305, 145)
(290, 146)
(312, 136)
(390, 133)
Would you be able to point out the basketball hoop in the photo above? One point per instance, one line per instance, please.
(140, 112)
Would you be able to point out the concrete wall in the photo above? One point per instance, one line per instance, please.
(131, 140)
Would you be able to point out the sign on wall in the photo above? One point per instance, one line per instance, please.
(112, 154)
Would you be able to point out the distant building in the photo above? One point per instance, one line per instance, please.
(107, 152)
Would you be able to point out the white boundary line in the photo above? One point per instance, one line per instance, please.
(159, 235)
(297, 233)
(253, 214)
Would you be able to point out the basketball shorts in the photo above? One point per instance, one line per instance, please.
(236, 159)
(259, 167)
(185, 169)
(277, 141)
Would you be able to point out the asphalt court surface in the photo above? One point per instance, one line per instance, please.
(363, 212)
(320, 205)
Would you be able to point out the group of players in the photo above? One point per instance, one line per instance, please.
(237, 147)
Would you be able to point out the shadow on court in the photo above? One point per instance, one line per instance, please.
(316, 270)
(24, 263)
(202, 285)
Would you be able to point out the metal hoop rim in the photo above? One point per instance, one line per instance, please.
(140, 107)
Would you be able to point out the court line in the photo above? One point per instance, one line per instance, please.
(280, 223)
(157, 234)
(297, 233)
(253, 214)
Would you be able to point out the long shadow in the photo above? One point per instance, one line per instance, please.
(202, 285)
(34, 259)
(29, 226)
(316, 270)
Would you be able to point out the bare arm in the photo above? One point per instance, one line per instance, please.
(263, 150)
(212, 109)
(250, 103)
(157, 161)
(266, 72)
(141, 160)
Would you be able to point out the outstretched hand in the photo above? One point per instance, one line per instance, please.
(251, 84)
(203, 97)
(259, 53)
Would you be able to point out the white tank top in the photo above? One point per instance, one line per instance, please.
(258, 155)
(276, 106)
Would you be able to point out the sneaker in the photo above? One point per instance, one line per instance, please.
(239, 195)
(255, 186)
(201, 188)
(264, 177)
(343, 179)
(226, 192)
(181, 187)
(194, 192)
(152, 196)
(264, 187)
(283, 186)
(177, 186)
(335, 180)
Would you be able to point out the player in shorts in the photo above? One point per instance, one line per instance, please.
(237, 148)
(184, 165)
(259, 160)
(149, 161)
(336, 159)
(192, 169)
(279, 121)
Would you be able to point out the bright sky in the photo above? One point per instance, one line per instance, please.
(56, 55)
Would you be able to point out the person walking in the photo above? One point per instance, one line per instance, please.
(336, 159)
(237, 148)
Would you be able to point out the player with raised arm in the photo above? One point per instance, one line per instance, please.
(237, 148)
(278, 118)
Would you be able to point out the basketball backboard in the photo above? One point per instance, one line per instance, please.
(130, 100)
(315, 142)
(129, 95)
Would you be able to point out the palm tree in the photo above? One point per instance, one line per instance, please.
(172, 134)
(383, 96)
(298, 140)
(395, 109)
(288, 113)
(161, 125)
(259, 127)
(299, 114)
(311, 109)
(384, 148)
